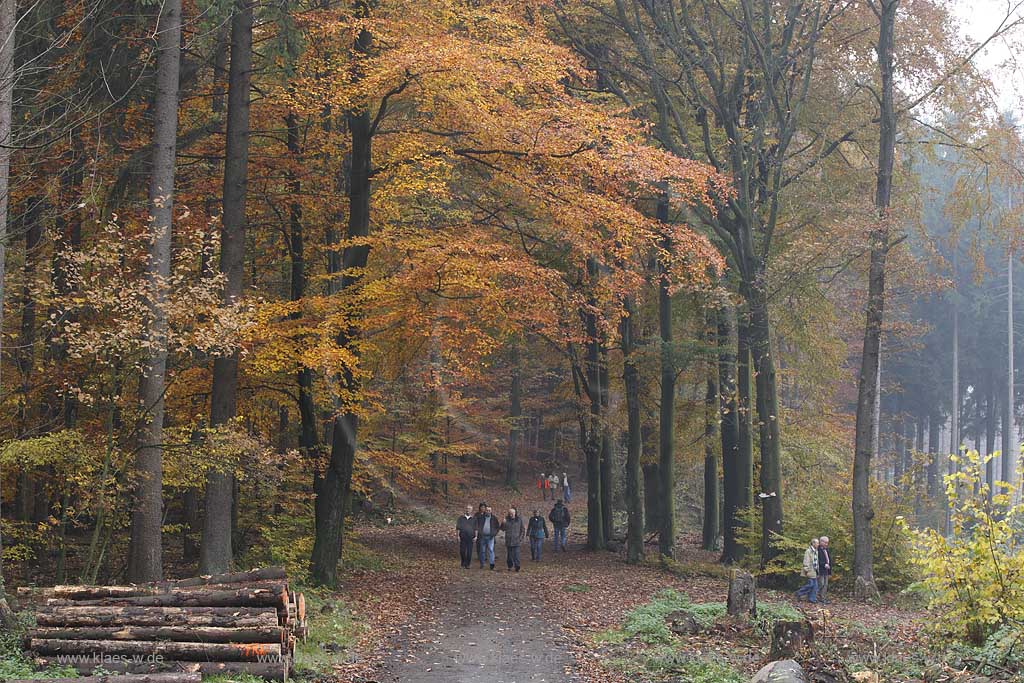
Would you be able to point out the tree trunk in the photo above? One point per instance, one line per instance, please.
(733, 477)
(934, 439)
(991, 408)
(30, 488)
(666, 418)
(216, 554)
(768, 425)
(308, 432)
(607, 469)
(333, 488)
(901, 452)
(711, 412)
(634, 439)
(515, 416)
(1009, 455)
(652, 508)
(7, 38)
(867, 386)
(145, 561)
(593, 448)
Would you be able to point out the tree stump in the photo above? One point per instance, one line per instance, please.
(742, 596)
(790, 637)
(682, 623)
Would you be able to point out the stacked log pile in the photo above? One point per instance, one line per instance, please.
(245, 622)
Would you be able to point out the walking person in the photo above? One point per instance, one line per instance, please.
(566, 491)
(537, 530)
(542, 484)
(809, 571)
(560, 518)
(487, 527)
(824, 569)
(466, 527)
(515, 532)
(553, 481)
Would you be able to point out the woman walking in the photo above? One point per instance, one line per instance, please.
(515, 531)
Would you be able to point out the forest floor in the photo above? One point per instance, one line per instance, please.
(578, 616)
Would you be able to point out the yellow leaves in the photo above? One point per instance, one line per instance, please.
(974, 575)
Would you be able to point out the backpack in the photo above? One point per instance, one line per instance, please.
(560, 515)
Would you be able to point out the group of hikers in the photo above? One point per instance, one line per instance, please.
(550, 483)
(817, 567)
(480, 529)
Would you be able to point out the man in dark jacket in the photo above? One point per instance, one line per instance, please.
(537, 530)
(466, 526)
(824, 568)
(515, 531)
(560, 519)
(487, 527)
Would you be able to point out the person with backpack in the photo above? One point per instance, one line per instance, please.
(515, 531)
(560, 519)
(537, 530)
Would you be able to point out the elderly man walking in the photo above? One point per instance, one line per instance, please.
(809, 571)
(824, 568)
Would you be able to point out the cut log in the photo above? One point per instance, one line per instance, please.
(195, 652)
(742, 600)
(270, 671)
(251, 576)
(246, 597)
(87, 594)
(300, 612)
(181, 677)
(184, 634)
(84, 616)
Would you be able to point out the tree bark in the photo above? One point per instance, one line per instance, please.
(867, 386)
(188, 633)
(8, 19)
(652, 508)
(216, 550)
(244, 597)
(991, 409)
(607, 465)
(202, 652)
(634, 438)
(666, 418)
(711, 412)
(308, 432)
(515, 417)
(1010, 454)
(145, 562)
(333, 486)
(164, 617)
(595, 430)
(768, 425)
(733, 478)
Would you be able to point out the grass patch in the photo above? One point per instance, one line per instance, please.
(666, 661)
(647, 622)
(14, 663)
(577, 588)
(333, 633)
(770, 612)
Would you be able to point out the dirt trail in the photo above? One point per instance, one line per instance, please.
(491, 628)
(486, 625)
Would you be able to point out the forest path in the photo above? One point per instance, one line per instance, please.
(472, 625)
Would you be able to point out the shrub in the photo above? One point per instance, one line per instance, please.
(974, 579)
